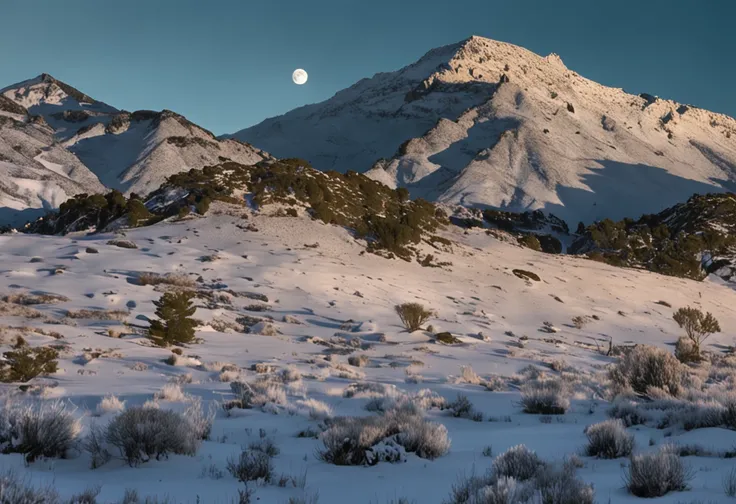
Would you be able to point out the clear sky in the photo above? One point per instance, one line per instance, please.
(226, 64)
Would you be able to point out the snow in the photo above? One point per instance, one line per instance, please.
(28, 192)
(54, 167)
(475, 142)
(316, 287)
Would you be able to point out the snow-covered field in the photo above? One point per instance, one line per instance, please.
(322, 294)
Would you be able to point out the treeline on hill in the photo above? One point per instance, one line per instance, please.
(532, 229)
(387, 218)
(94, 212)
(688, 240)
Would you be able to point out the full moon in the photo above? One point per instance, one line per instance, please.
(299, 76)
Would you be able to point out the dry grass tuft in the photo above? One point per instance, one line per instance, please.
(179, 280)
(34, 299)
(118, 315)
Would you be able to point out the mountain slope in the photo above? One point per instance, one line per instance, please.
(486, 123)
(37, 173)
(136, 152)
(28, 192)
(49, 124)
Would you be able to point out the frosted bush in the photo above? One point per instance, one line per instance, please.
(545, 397)
(609, 440)
(200, 422)
(171, 392)
(228, 376)
(428, 440)
(290, 374)
(14, 490)
(109, 404)
(469, 375)
(535, 483)
(265, 445)
(218, 366)
(558, 485)
(251, 465)
(699, 415)
(494, 384)
(142, 433)
(348, 440)
(646, 366)
(258, 394)
(38, 429)
(461, 407)
(368, 389)
(517, 462)
(656, 474)
(297, 389)
(503, 491)
(347, 373)
(316, 410)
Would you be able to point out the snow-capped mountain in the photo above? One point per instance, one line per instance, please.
(486, 123)
(136, 152)
(55, 130)
(28, 192)
(36, 172)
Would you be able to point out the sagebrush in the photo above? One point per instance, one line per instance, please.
(413, 315)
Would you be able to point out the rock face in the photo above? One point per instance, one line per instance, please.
(489, 124)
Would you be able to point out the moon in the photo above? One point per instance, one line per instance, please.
(299, 76)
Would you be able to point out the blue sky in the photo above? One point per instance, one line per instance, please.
(226, 64)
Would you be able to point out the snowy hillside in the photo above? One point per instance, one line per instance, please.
(293, 308)
(39, 173)
(487, 123)
(28, 192)
(136, 152)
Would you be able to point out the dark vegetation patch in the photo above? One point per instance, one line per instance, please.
(386, 218)
(182, 141)
(84, 212)
(689, 240)
(526, 275)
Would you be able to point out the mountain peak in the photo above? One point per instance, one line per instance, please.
(491, 124)
(44, 92)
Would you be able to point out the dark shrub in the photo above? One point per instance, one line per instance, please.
(251, 465)
(413, 315)
(141, 433)
(609, 440)
(25, 363)
(697, 325)
(530, 241)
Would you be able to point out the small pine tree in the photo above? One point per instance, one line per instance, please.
(25, 363)
(697, 325)
(203, 205)
(175, 326)
(137, 212)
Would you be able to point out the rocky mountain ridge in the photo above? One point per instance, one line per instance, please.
(58, 142)
(489, 124)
